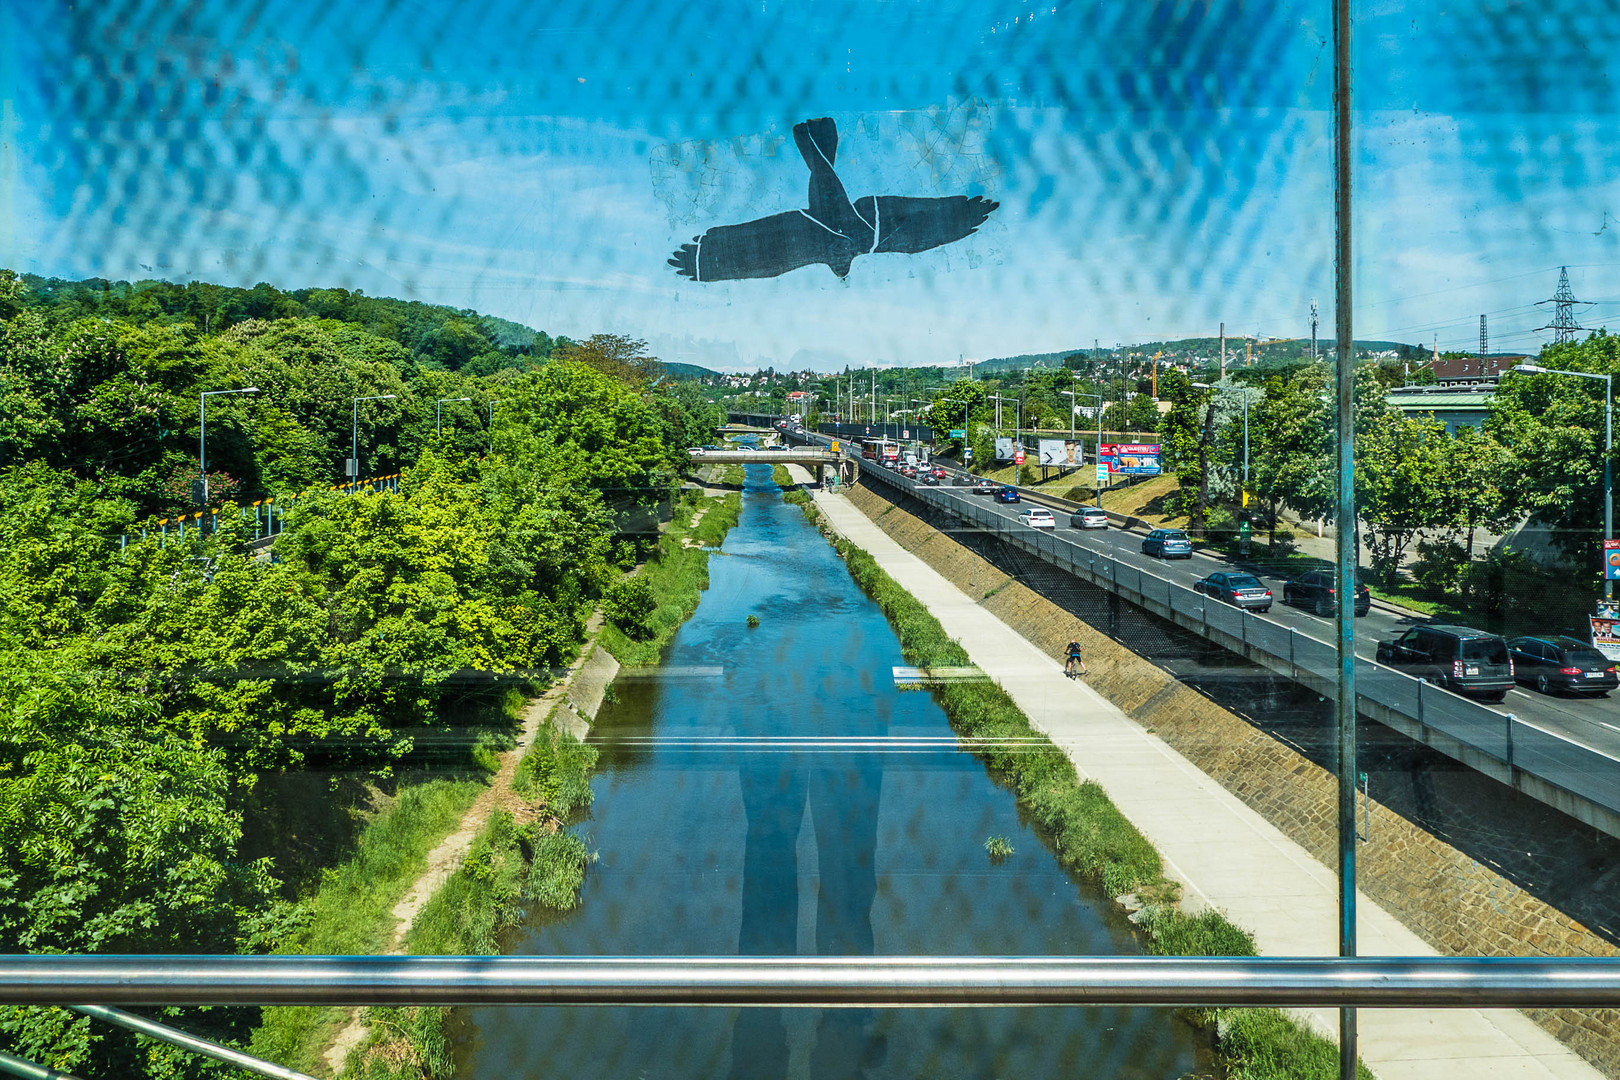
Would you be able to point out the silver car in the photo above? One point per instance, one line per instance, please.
(1089, 517)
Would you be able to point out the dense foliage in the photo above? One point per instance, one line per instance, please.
(157, 699)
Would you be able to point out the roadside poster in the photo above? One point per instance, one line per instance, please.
(1065, 453)
(1004, 448)
(1131, 459)
(1611, 559)
(1606, 636)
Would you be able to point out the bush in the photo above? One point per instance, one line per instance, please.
(1440, 566)
(628, 605)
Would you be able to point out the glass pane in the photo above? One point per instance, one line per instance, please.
(1504, 784)
(677, 479)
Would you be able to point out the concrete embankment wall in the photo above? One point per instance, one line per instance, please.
(1495, 873)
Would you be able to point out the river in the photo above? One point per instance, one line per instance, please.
(732, 815)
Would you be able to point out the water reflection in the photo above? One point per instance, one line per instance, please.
(753, 809)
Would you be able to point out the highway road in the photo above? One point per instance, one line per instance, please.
(1593, 722)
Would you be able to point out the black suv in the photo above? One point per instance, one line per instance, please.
(1458, 658)
(1562, 663)
(1315, 591)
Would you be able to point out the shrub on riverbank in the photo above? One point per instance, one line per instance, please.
(675, 576)
(1091, 837)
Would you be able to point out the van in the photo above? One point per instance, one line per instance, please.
(1460, 658)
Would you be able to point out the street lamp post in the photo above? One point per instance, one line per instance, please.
(1608, 449)
(354, 438)
(438, 414)
(202, 431)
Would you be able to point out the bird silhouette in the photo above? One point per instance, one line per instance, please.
(832, 230)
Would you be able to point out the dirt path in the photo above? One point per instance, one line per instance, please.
(571, 696)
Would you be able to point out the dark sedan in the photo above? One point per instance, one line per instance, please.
(1558, 663)
(1167, 544)
(1240, 590)
(985, 487)
(1007, 494)
(1315, 590)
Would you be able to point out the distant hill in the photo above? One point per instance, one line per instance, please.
(1270, 349)
(687, 371)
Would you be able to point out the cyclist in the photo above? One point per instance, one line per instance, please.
(1074, 660)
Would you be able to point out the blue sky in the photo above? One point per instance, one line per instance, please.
(1161, 167)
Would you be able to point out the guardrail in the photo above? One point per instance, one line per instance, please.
(267, 514)
(1573, 778)
(1471, 982)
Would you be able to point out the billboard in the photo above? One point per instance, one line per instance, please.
(1606, 636)
(1131, 459)
(1064, 453)
(1611, 560)
(1004, 448)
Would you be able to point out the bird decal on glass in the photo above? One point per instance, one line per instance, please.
(832, 230)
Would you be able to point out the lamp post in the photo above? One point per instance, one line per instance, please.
(1608, 449)
(202, 432)
(354, 438)
(438, 414)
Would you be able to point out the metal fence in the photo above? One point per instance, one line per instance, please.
(266, 516)
(1574, 778)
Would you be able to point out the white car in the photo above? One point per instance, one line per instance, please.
(1089, 517)
(1037, 518)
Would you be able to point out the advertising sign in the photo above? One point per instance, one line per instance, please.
(1611, 559)
(1130, 459)
(1065, 453)
(1606, 636)
(1004, 448)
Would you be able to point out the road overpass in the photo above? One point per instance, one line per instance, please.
(802, 455)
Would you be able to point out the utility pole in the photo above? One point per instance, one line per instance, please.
(1484, 343)
(1223, 350)
(1563, 325)
(1313, 329)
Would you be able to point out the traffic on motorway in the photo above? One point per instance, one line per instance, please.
(1578, 707)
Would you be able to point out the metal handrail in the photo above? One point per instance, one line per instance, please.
(187, 1041)
(865, 981)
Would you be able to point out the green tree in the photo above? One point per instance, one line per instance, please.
(1401, 470)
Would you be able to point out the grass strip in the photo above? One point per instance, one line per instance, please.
(1089, 836)
(510, 866)
(677, 574)
(352, 911)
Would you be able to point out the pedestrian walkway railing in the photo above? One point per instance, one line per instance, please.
(796, 981)
(267, 515)
(1574, 778)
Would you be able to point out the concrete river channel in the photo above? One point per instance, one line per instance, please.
(732, 815)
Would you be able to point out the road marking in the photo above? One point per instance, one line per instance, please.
(1608, 725)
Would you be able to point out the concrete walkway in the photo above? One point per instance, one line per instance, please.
(1224, 854)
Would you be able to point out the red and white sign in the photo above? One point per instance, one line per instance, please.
(1018, 456)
